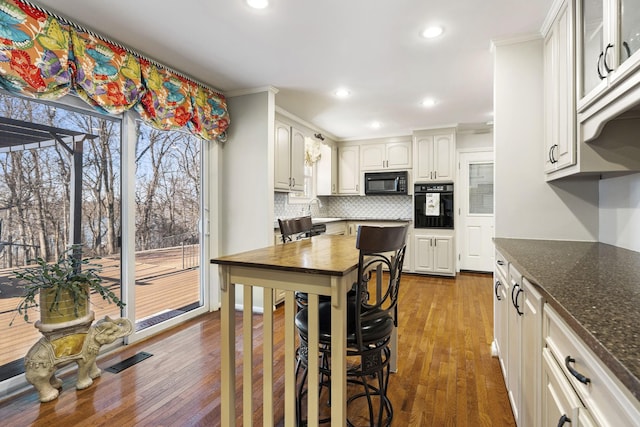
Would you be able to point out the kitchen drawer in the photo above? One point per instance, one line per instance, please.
(501, 264)
(608, 401)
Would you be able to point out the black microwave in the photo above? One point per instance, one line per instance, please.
(385, 182)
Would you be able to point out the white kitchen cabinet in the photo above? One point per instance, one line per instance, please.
(559, 91)
(433, 254)
(607, 402)
(381, 156)
(434, 156)
(336, 227)
(500, 312)
(514, 344)
(609, 41)
(327, 170)
(560, 404)
(289, 158)
(531, 355)
(608, 65)
(524, 347)
(349, 169)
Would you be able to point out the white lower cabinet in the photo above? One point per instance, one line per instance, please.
(560, 404)
(433, 254)
(500, 313)
(514, 343)
(518, 340)
(531, 303)
(603, 400)
(552, 377)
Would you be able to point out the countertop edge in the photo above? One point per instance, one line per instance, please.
(621, 372)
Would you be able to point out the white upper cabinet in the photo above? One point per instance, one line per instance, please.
(609, 37)
(327, 170)
(349, 169)
(289, 158)
(608, 45)
(390, 155)
(434, 158)
(559, 92)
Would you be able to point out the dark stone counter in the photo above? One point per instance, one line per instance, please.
(595, 288)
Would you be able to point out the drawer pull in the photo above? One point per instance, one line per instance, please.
(498, 284)
(567, 362)
(500, 262)
(563, 420)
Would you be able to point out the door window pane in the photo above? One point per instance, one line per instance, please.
(167, 238)
(481, 188)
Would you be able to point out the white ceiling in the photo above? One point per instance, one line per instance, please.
(308, 48)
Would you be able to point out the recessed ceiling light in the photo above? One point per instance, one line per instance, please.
(342, 93)
(258, 4)
(428, 102)
(376, 125)
(432, 32)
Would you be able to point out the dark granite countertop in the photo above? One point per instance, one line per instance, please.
(595, 288)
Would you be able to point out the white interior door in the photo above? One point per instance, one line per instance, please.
(476, 219)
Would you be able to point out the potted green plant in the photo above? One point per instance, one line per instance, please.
(63, 287)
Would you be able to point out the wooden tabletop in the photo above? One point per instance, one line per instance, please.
(327, 254)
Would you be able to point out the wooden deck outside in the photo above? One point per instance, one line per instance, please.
(161, 285)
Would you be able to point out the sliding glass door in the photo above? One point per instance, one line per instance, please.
(167, 216)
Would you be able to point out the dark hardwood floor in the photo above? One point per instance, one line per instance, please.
(446, 375)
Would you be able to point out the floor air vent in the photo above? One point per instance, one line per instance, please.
(121, 366)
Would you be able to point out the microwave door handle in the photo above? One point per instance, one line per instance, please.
(397, 183)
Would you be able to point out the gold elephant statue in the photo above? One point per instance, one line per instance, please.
(48, 354)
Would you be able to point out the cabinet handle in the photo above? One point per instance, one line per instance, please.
(495, 290)
(567, 362)
(520, 291)
(552, 159)
(604, 59)
(514, 298)
(600, 75)
(563, 420)
(500, 262)
(627, 49)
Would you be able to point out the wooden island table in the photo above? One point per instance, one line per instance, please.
(321, 265)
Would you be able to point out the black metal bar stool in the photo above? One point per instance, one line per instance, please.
(371, 318)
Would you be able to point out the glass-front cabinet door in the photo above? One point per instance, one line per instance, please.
(629, 29)
(593, 45)
(608, 36)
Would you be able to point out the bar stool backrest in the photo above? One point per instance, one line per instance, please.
(295, 228)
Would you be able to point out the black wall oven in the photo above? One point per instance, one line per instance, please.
(433, 206)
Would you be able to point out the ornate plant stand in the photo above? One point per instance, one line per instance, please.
(72, 341)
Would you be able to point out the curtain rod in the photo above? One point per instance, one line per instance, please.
(120, 45)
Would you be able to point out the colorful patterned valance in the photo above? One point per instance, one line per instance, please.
(34, 52)
(105, 75)
(167, 102)
(210, 117)
(43, 56)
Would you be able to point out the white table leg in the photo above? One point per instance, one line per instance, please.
(228, 355)
(339, 349)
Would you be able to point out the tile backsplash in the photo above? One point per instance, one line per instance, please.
(360, 207)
